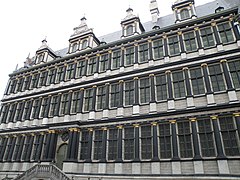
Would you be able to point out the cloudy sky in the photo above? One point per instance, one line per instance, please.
(25, 23)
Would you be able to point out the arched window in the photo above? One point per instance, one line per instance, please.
(84, 44)
(184, 14)
(40, 58)
(74, 47)
(129, 30)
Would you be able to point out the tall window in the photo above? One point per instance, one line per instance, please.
(84, 145)
(27, 110)
(158, 49)
(54, 106)
(165, 141)
(60, 74)
(225, 32)
(76, 102)
(129, 30)
(185, 139)
(34, 81)
(70, 71)
(19, 84)
(112, 144)
(144, 90)
(101, 97)
(81, 68)
(13, 85)
(98, 138)
(184, 14)
(37, 147)
(19, 111)
(116, 58)
(178, 84)
(18, 148)
(129, 143)
(88, 99)
(146, 142)
(11, 113)
(115, 95)
(207, 37)
(129, 92)
(190, 41)
(64, 104)
(44, 107)
(229, 135)
(4, 113)
(27, 148)
(161, 87)
(92, 66)
(216, 76)
(173, 44)
(51, 76)
(205, 132)
(143, 52)
(27, 82)
(84, 44)
(234, 67)
(43, 78)
(104, 62)
(10, 148)
(74, 47)
(36, 109)
(197, 81)
(129, 56)
(3, 146)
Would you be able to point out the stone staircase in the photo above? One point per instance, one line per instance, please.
(43, 172)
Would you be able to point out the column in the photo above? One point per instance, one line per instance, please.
(136, 143)
(237, 119)
(136, 95)
(109, 60)
(174, 140)
(122, 58)
(215, 32)
(195, 139)
(153, 105)
(94, 98)
(90, 138)
(81, 100)
(150, 49)
(155, 142)
(119, 144)
(182, 50)
(190, 102)
(104, 145)
(107, 96)
(135, 64)
(120, 109)
(171, 103)
(97, 63)
(199, 42)
(166, 54)
(69, 102)
(218, 140)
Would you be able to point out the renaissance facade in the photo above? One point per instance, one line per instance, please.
(154, 100)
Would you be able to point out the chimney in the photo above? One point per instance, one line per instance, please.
(154, 10)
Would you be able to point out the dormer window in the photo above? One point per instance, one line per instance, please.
(129, 30)
(74, 47)
(40, 58)
(184, 14)
(84, 44)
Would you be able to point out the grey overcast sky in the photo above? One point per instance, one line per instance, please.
(25, 23)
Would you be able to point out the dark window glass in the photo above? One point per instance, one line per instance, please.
(197, 81)
(143, 52)
(74, 47)
(207, 37)
(34, 81)
(19, 111)
(115, 95)
(112, 144)
(129, 56)
(13, 86)
(27, 110)
(88, 99)
(35, 109)
(129, 143)
(98, 137)
(81, 66)
(17, 149)
(92, 66)
(185, 139)
(165, 141)
(84, 44)
(161, 87)
(19, 84)
(225, 32)
(11, 112)
(64, 104)
(116, 59)
(101, 97)
(3, 146)
(184, 14)
(76, 102)
(9, 149)
(216, 76)
(54, 106)
(60, 74)
(190, 41)
(27, 82)
(4, 113)
(205, 132)
(70, 71)
(146, 142)
(44, 109)
(158, 49)
(129, 92)
(103, 62)
(27, 148)
(43, 79)
(51, 76)
(144, 90)
(37, 147)
(84, 145)
(129, 30)
(178, 84)
(234, 67)
(229, 135)
(173, 44)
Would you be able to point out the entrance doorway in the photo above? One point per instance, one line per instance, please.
(61, 155)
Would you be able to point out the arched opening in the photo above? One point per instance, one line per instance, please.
(74, 47)
(184, 14)
(84, 44)
(61, 155)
